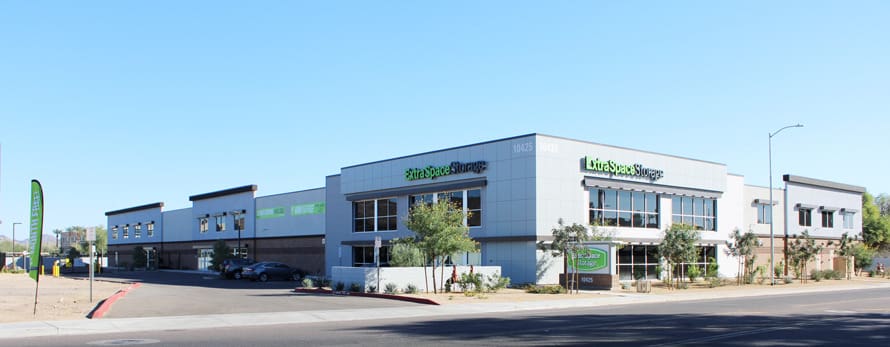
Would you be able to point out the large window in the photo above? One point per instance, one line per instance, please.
(764, 214)
(126, 231)
(375, 215)
(848, 220)
(137, 231)
(114, 232)
(701, 213)
(805, 217)
(623, 208)
(469, 200)
(150, 229)
(828, 219)
(363, 256)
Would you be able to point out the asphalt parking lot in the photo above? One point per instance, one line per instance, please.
(165, 293)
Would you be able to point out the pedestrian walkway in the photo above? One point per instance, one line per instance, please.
(98, 326)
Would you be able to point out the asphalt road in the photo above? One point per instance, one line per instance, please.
(186, 294)
(846, 318)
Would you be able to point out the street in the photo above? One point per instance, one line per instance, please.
(859, 317)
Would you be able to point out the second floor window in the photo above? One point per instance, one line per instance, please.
(150, 229)
(375, 215)
(203, 224)
(126, 231)
(220, 223)
(114, 232)
(827, 219)
(137, 231)
(698, 212)
(848, 220)
(805, 217)
(623, 208)
(764, 214)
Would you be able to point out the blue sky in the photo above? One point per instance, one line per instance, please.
(117, 104)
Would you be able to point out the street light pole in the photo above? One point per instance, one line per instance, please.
(238, 227)
(772, 248)
(13, 243)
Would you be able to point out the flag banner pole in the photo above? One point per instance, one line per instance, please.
(36, 235)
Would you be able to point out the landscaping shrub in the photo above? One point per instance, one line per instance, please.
(307, 283)
(355, 288)
(411, 289)
(788, 279)
(339, 286)
(372, 288)
(391, 288)
(693, 272)
(552, 289)
(496, 282)
(816, 275)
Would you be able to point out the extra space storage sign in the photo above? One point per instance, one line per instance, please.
(590, 259)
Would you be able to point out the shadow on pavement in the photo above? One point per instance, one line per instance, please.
(648, 330)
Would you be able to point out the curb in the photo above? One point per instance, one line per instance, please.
(103, 307)
(369, 295)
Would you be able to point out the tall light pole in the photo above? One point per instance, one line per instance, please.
(772, 248)
(238, 227)
(13, 243)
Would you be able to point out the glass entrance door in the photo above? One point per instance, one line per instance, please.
(204, 257)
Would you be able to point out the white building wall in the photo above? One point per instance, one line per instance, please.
(301, 214)
(177, 225)
(821, 196)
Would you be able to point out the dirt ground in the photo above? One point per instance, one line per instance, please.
(511, 295)
(57, 298)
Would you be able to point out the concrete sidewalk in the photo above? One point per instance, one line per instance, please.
(103, 326)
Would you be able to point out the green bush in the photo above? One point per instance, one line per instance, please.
(339, 286)
(372, 288)
(693, 272)
(355, 288)
(307, 283)
(552, 289)
(470, 282)
(788, 279)
(716, 281)
(391, 288)
(816, 275)
(411, 289)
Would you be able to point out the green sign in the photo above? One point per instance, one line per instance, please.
(307, 209)
(619, 169)
(454, 168)
(266, 213)
(589, 260)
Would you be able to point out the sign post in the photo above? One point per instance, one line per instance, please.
(377, 244)
(91, 237)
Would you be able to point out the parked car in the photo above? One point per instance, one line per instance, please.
(264, 271)
(233, 267)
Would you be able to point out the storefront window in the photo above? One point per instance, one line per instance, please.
(375, 215)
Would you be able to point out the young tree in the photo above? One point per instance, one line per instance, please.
(678, 247)
(801, 251)
(743, 249)
(440, 232)
(221, 251)
(846, 248)
(566, 243)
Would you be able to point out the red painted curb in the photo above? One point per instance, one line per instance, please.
(105, 305)
(372, 295)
